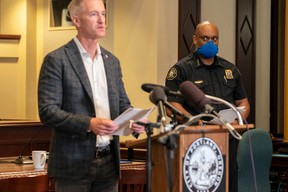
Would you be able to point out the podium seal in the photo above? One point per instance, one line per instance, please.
(203, 166)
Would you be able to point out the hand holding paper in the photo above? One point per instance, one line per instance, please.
(123, 120)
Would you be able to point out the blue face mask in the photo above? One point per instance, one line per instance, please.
(208, 50)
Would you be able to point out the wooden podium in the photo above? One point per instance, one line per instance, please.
(201, 154)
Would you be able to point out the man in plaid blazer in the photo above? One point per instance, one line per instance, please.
(80, 92)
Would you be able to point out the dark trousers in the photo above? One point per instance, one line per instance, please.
(101, 177)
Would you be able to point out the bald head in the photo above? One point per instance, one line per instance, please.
(206, 26)
(206, 31)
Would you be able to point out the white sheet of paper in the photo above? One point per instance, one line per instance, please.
(134, 114)
(228, 115)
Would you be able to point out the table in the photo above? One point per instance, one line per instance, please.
(19, 178)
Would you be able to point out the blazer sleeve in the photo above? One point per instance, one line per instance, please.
(62, 102)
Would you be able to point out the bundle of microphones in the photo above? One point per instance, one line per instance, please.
(190, 91)
(158, 96)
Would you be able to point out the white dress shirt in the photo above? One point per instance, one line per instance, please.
(97, 77)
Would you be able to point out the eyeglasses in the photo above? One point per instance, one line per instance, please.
(206, 38)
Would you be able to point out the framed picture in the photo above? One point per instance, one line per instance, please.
(59, 18)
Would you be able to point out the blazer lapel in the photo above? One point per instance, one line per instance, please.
(78, 66)
(110, 73)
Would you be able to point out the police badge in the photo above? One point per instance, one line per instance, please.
(229, 74)
(172, 74)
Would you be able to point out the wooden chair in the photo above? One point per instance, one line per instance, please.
(133, 178)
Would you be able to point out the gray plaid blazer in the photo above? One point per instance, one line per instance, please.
(65, 103)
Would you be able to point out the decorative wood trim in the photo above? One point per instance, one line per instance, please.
(189, 17)
(285, 139)
(22, 136)
(245, 49)
(8, 59)
(10, 37)
(277, 66)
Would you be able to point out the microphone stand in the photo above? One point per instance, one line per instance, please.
(240, 119)
(176, 112)
(171, 142)
(170, 145)
(230, 128)
(19, 159)
(149, 131)
(161, 115)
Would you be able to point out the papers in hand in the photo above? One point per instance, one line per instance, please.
(123, 120)
(228, 115)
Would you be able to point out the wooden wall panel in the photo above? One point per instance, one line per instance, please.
(22, 137)
(189, 17)
(245, 49)
(277, 66)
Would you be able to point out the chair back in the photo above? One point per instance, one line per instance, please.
(261, 144)
(133, 178)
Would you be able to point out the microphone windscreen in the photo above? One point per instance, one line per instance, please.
(193, 94)
(148, 87)
(158, 94)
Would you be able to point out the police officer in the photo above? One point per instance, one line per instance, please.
(215, 76)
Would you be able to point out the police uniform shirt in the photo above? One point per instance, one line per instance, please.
(221, 79)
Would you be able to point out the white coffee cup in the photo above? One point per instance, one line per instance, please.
(39, 159)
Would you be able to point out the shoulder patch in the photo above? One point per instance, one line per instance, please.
(229, 74)
(171, 74)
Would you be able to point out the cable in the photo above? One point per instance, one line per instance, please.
(179, 128)
(252, 157)
(230, 128)
(19, 159)
(279, 186)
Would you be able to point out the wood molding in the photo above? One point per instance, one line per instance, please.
(10, 37)
(189, 17)
(246, 49)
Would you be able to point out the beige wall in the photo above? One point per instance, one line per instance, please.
(263, 64)
(13, 74)
(143, 44)
(225, 20)
(143, 34)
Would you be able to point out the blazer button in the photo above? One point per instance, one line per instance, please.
(75, 136)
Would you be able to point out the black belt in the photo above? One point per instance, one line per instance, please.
(103, 151)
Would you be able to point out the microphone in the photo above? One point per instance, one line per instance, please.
(20, 159)
(194, 95)
(148, 87)
(158, 96)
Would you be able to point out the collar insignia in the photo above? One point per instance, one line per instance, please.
(198, 82)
